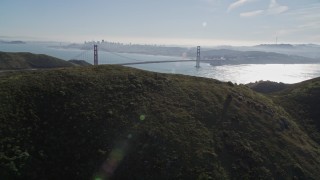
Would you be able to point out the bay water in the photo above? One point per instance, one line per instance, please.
(245, 73)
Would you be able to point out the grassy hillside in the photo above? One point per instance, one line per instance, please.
(302, 100)
(14, 61)
(122, 123)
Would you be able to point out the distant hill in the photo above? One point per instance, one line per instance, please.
(16, 61)
(287, 46)
(226, 56)
(12, 42)
(304, 50)
(113, 122)
(267, 86)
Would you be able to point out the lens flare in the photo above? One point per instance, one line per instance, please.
(142, 117)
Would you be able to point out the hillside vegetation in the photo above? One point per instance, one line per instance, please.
(302, 100)
(113, 122)
(16, 61)
(267, 86)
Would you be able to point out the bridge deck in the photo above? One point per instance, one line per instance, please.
(151, 62)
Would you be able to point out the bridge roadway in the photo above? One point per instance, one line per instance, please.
(163, 61)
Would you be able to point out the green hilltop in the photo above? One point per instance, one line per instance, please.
(267, 87)
(25, 60)
(114, 122)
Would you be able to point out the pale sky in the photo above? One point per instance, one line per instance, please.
(185, 22)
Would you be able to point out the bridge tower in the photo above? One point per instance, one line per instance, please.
(198, 57)
(95, 54)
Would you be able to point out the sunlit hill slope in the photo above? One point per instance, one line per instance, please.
(122, 123)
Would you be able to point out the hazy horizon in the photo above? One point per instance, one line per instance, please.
(191, 44)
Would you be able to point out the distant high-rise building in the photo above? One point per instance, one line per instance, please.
(198, 57)
(95, 54)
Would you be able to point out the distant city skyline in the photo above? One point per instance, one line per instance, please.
(179, 22)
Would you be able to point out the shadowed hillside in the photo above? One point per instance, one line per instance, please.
(16, 61)
(267, 86)
(303, 101)
(122, 123)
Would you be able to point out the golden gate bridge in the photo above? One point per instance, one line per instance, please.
(85, 56)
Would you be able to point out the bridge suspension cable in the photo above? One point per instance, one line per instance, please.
(83, 55)
(117, 54)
